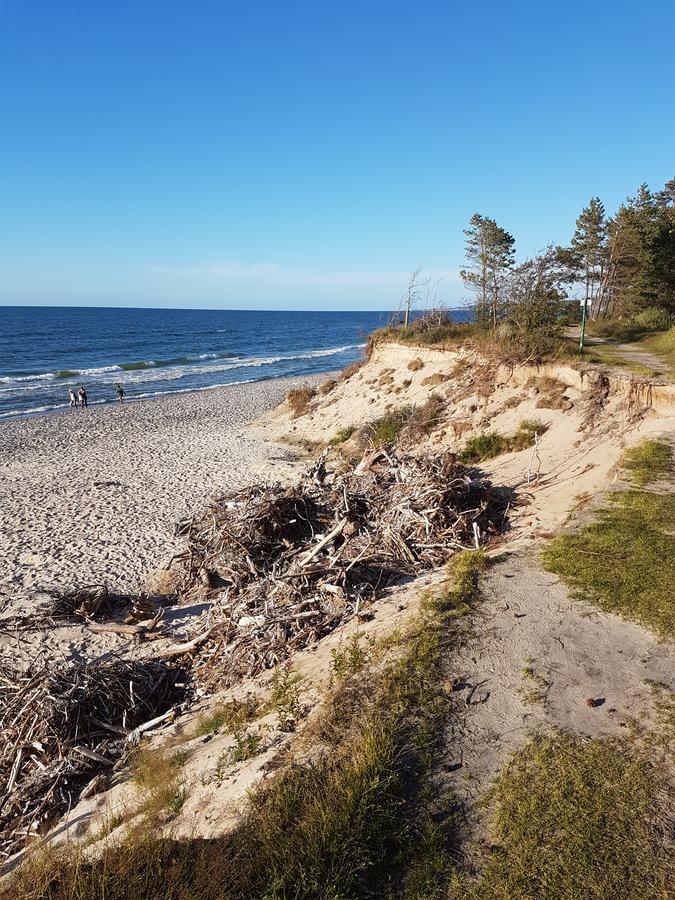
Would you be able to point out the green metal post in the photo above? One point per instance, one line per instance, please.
(583, 326)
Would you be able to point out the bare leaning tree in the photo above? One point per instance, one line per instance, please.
(413, 294)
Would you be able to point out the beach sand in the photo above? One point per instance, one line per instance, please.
(91, 496)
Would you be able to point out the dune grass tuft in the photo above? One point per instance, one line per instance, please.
(343, 435)
(648, 462)
(487, 446)
(574, 819)
(624, 560)
(299, 400)
(385, 431)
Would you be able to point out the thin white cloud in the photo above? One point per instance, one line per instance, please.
(238, 282)
(224, 271)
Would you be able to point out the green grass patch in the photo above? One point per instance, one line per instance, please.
(487, 446)
(384, 432)
(351, 658)
(482, 447)
(342, 436)
(228, 716)
(423, 334)
(624, 560)
(285, 698)
(649, 321)
(609, 355)
(574, 819)
(648, 462)
(663, 346)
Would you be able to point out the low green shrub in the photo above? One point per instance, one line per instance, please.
(342, 436)
(483, 446)
(487, 446)
(384, 432)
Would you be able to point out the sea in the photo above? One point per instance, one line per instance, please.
(44, 351)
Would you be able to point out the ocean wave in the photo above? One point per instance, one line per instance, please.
(19, 379)
(12, 413)
(174, 367)
(332, 351)
(47, 391)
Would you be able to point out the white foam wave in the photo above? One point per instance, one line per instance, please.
(100, 378)
(171, 372)
(100, 370)
(19, 379)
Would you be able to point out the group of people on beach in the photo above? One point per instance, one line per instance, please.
(79, 399)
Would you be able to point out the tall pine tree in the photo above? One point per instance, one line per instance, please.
(490, 252)
(589, 243)
(640, 272)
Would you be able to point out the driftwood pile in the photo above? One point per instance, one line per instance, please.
(281, 567)
(63, 728)
(90, 604)
(288, 565)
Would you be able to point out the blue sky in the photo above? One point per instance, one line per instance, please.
(309, 155)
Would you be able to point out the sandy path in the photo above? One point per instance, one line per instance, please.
(528, 620)
(636, 353)
(93, 495)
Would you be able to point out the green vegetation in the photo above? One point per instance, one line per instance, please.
(609, 355)
(620, 265)
(483, 446)
(361, 820)
(350, 659)
(175, 799)
(230, 716)
(384, 432)
(574, 818)
(538, 685)
(407, 423)
(632, 328)
(157, 776)
(663, 346)
(624, 560)
(342, 436)
(247, 745)
(648, 462)
(487, 446)
(424, 418)
(285, 699)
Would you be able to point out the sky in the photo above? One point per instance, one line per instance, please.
(309, 155)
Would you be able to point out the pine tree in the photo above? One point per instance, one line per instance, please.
(490, 251)
(641, 255)
(589, 243)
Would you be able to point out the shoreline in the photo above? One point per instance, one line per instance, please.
(93, 496)
(131, 399)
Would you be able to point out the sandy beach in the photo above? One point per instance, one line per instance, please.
(90, 496)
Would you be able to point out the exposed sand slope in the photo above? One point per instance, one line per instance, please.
(589, 421)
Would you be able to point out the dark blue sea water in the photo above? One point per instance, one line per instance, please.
(45, 350)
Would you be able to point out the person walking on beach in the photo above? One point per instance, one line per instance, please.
(72, 396)
(83, 397)
(120, 393)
